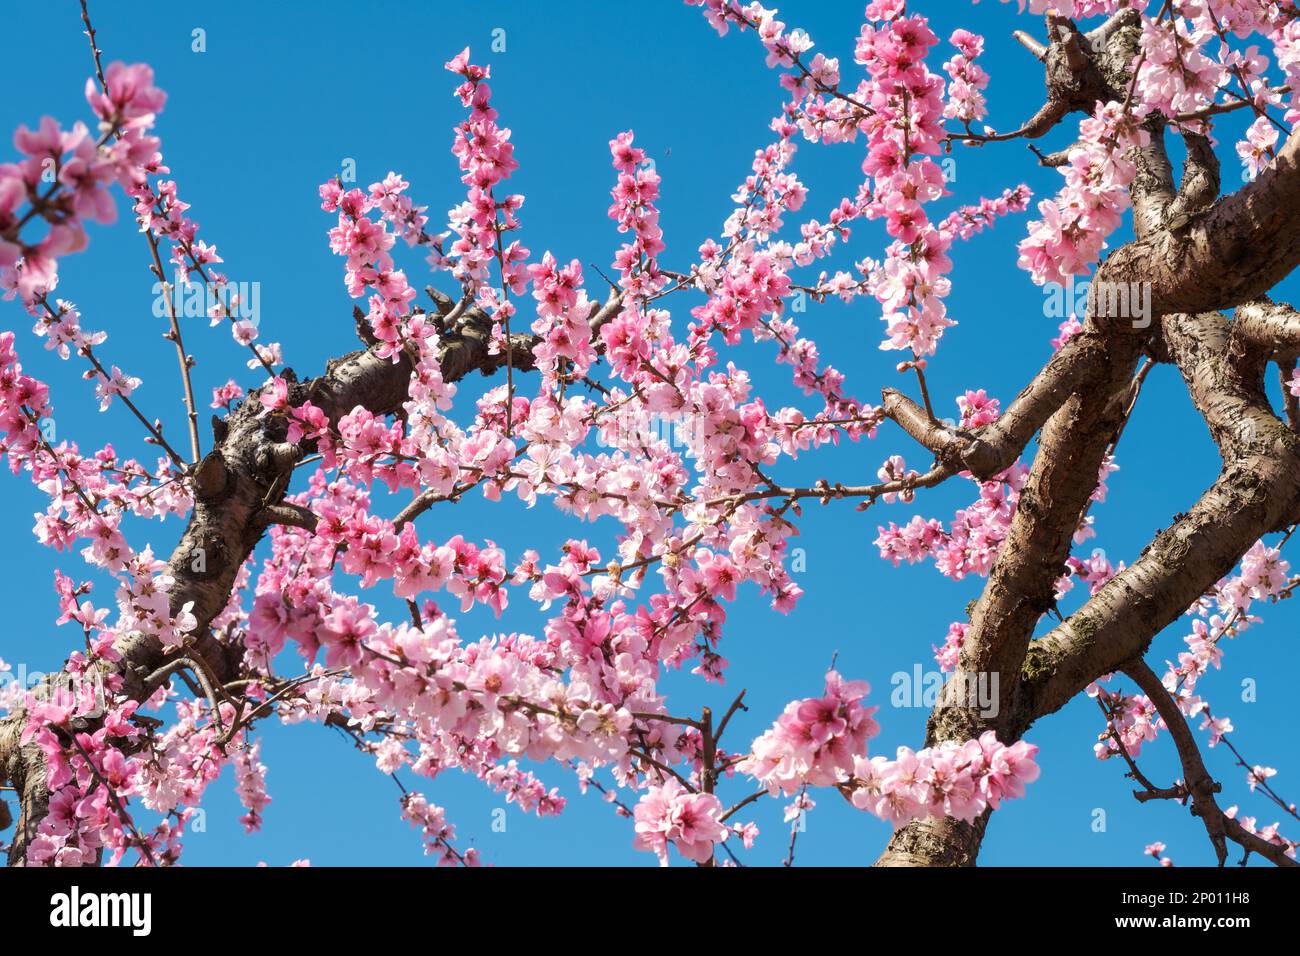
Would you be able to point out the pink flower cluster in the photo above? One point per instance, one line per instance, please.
(1156, 852)
(815, 740)
(438, 833)
(973, 540)
(669, 813)
(634, 210)
(365, 244)
(822, 741)
(948, 655)
(1093, 571)
(1269, 834)
(967, 79)
(956, 780)
(1178, 74)
(486, 158)
(562, 319)
(93, 778)
(1264, 575)
(250, 785)
(1069, 238)
(64, 178)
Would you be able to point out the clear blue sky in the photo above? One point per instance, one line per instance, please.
(286, 91)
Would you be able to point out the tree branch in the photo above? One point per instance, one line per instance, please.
(1257, 491)
(1234, 252)
(994, 448)
(1199, 784)
(1022, 582)
(239, 485)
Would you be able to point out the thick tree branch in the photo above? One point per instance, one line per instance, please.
(1200, 185)
(1234, 252)
(1022, 582)
(994, 448)
(1081, 70)
(1269, 330)
(1258, 491)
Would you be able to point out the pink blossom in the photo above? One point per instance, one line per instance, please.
(668, 813)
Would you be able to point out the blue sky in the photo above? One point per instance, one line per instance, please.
(285, 92)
